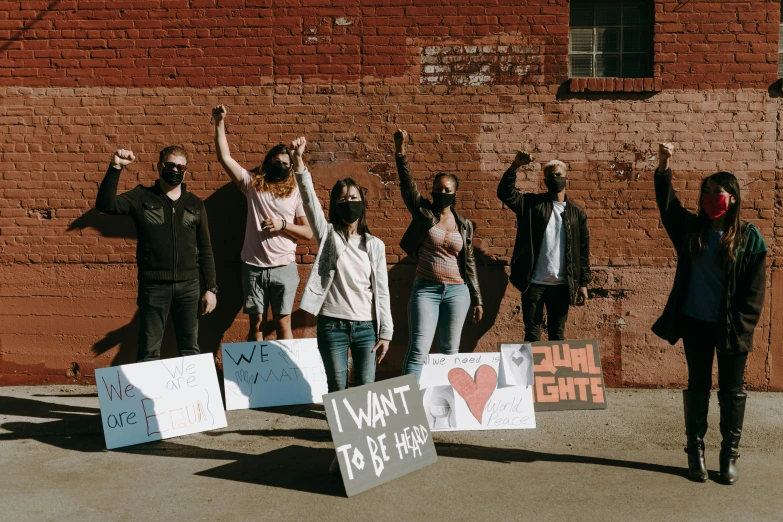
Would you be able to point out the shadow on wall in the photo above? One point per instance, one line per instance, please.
(493, 282)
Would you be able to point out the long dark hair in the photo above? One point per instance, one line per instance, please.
(334, 219)
(733, 236)
(281, 189)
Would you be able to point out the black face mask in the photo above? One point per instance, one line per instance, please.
(441, 200)
(277, 172)
(555, 184)
(171, 176)
(350, 211)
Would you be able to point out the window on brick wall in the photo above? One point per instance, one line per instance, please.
(780, 45)
(610, 39)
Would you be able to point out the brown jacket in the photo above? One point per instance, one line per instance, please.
(424, 219)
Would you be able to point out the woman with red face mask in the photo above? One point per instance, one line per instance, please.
(714, 305)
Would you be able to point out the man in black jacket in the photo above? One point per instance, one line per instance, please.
(173, 249)
(551, 260)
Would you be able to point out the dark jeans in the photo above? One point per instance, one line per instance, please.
(158, 298)
(557, 299)
(699, 339)
(335, 336)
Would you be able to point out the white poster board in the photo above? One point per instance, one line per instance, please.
(480, 391)
(157, 400)
(273, 373)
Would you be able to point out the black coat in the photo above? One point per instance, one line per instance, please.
(533, 213)
(745, 278)
(424, 219)
(174, 243)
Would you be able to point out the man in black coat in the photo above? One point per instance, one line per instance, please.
(172, 252)
(551, 260)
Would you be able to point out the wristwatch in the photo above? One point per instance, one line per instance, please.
(214, 290)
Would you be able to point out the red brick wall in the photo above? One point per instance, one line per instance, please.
(472, 83)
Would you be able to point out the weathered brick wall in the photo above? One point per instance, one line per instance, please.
(472, 83)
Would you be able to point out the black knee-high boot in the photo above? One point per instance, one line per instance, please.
(696, 405)
(732, 414)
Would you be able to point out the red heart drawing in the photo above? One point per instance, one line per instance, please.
(475, 392)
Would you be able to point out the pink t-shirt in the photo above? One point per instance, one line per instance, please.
(267, 249)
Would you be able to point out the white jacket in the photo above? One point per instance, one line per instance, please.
(330, 245)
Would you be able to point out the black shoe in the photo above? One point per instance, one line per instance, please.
(732, 415)
(696, 405)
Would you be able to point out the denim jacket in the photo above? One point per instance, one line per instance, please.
(331, 245)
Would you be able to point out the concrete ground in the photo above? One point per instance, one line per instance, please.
(623, 463)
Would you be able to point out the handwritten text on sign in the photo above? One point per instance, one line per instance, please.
(380, 432)
(157, 400)
(568, 376)
(273, 373)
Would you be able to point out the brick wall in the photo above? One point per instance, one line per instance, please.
(471, 83)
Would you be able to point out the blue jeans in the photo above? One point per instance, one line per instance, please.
(434, 305)
(335, 336)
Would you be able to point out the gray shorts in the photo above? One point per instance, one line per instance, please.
(275, 286)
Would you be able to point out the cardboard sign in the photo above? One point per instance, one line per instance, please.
(481, 391)
(157, 400)
(379, 432)
(568, 376)
(273, 373)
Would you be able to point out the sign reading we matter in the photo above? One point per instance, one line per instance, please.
(156, 400)
(379, 431)
(273, 373)
(568, 376)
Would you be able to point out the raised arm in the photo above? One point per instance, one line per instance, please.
(234, 170)
(312, 207)
(507, 188)
(410, 192)
(675, 218)
(107, 200)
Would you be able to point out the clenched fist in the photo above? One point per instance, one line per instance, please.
(522, 159)
(665, 152)
(298, 148)
(121, 158)
(400, 141)
(219, 113)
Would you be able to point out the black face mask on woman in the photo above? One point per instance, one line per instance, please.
(350, 211)
(555, 184)
(441, 200)
(277, 172)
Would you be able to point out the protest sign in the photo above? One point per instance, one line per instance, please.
(157, 400)
(480, 391)
(568, 376)
(273, 373)
(380, 432)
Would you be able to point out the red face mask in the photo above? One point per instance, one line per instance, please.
(715, 205)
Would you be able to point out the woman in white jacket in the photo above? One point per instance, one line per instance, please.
(348, 287)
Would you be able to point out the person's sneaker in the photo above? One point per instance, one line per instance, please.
(334, 467)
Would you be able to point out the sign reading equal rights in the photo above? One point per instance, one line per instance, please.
(568, 376)
(273, 373)
(157, 400)
(380, 432)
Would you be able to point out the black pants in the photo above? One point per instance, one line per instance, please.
(556, 298)
(158, 298)
(699, 340)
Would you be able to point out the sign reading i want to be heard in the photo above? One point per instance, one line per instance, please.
(380, 432)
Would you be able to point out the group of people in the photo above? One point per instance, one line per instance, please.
(715, 303)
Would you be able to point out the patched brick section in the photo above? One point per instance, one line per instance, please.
(477, 64)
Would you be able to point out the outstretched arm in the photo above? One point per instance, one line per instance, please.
(410, 192)
(312, 207)
(675, 218)
(507, 188)
(234, 170)
(107, 201)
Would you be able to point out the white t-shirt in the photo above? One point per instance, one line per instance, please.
(268, 249)
(550, 267)
(350, 296)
